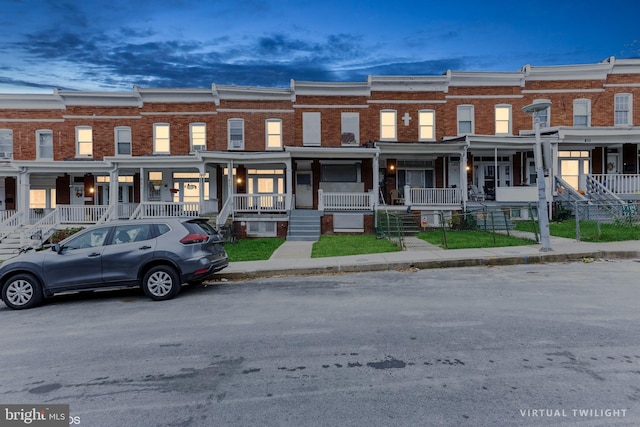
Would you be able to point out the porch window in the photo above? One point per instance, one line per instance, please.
(274, 134)
(388, 125)
(198, 136)
(123, 140)
(235, 128)
(350, 129)
(6, 143)
(503, 119)
(622, 109)
(311, 129)
(84, 141)
(161, 138)
(427, 125)
(582, 113)
(45, 144)
(465, 119)
(340, 173)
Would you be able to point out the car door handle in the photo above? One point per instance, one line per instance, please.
(144, 247)
(94, 254)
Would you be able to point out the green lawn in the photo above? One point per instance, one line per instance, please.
(472, 239)
(351, 245)
(252, 249)
(589, 231)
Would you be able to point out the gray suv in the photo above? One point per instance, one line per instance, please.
(157, 254)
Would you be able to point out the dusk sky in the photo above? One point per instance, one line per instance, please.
(112, 45)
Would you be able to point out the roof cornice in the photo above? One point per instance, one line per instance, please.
(331, 88)
(597, 71)
(482, 78)
(408, 83)
(171, 95)
(250, 93)
(31, 102)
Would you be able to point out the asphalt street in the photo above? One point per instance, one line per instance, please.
(555, 344)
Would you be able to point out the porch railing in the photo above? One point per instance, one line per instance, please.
(260, 202)
(166, 209)
(10, 223)
(80, 214)
(346, 201)
(619, 183)
(432, 196)
(4, 215)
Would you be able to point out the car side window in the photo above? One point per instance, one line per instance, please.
(131, 233)
(89, 239)
(162, 229)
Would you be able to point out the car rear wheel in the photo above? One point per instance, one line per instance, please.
(161, 283)
(22, 291)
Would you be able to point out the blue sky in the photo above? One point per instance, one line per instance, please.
(115, 44)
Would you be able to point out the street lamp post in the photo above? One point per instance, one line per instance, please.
(543, 213)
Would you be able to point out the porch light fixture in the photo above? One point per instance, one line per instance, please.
(543, 213)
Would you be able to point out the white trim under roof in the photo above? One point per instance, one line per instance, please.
(481, 78)
(597, 71)
(601, 135)
(332, 152)
(31, 102)
(174, 95)
(109, 99)
(250, 93)
(398, 148)
(304, 88)
(516, 143)
(408, 83)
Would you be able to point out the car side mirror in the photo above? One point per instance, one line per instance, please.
(56, 248)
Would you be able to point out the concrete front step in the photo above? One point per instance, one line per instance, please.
(304, 225)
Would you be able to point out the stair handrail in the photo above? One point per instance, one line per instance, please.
(108, 214)
(225, 212)
(10, 224)
(566, 192)
(606, 198)
(41, 230)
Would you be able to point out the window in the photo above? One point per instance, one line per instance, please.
(582, 112)
(123, 140)
(274, 134)
(44, 140)
(311, 129)
(84, 141)
(542, 116)
(236, 134)
(6, 143)
(161, 138)
(388, 125)
(90, 239)
(198, 136)
(350, 123)
(465, 119)
(503, 119)
(622, 110)
(427, 125)
(131, 233)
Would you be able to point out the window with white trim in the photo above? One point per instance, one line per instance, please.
(44, 147)
(273, 134)
(503, 119)
(84, 141)
(466, 123)
(123, 140)
(311, 135)
(235, 129)
(388, 125)
(581, 112)
(6, 143)
(198, 136)
(161, 140)
(426, 125)
(622, 109)
(350, 128)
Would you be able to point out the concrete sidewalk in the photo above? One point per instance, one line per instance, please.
(293, 258)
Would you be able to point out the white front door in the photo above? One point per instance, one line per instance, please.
(454, 174)
(304, 189)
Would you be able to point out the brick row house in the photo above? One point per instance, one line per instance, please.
(258, 157)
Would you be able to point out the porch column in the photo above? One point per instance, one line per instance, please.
(113, 191)
(143, 193)
(230, 182)
(289, 183)
(463, 178)
(22, 191)
(376, 178)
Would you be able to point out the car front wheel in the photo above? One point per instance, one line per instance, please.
(161, 283)
(22, 291)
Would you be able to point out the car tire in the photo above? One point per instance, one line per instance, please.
(161, 283)
(22, 291)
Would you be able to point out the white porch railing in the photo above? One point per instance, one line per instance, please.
(4, 215)
(125, 210)
(346, 201)
(166, 209)
(260, 202)
(10, 223)
(432, 196)
(81, 214)
(619, 183)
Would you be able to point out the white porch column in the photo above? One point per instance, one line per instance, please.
(407, 195)
(113, 191)
(463, 178)
(376, 179)
(143, 193)
(289, 183)
(22, 190)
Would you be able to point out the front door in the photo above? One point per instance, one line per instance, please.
(304, 190)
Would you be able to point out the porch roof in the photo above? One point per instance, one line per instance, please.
(446, 146)
(601, 136)
(491, 142)
(332, 152)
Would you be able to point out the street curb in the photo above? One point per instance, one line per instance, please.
(542, 258)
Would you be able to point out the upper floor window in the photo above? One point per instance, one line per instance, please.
(6, 143)
(503, 119)
(466, 123)
(44, 147)
(388, 125)
(622, 109)
(84, 141)
(198, 136)
(542, 116)
(236, 134)
(311, 134)
(581, 112)
(274, 134)
(350, 128)
(161, 139)
(427, 125)
(123, 140)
